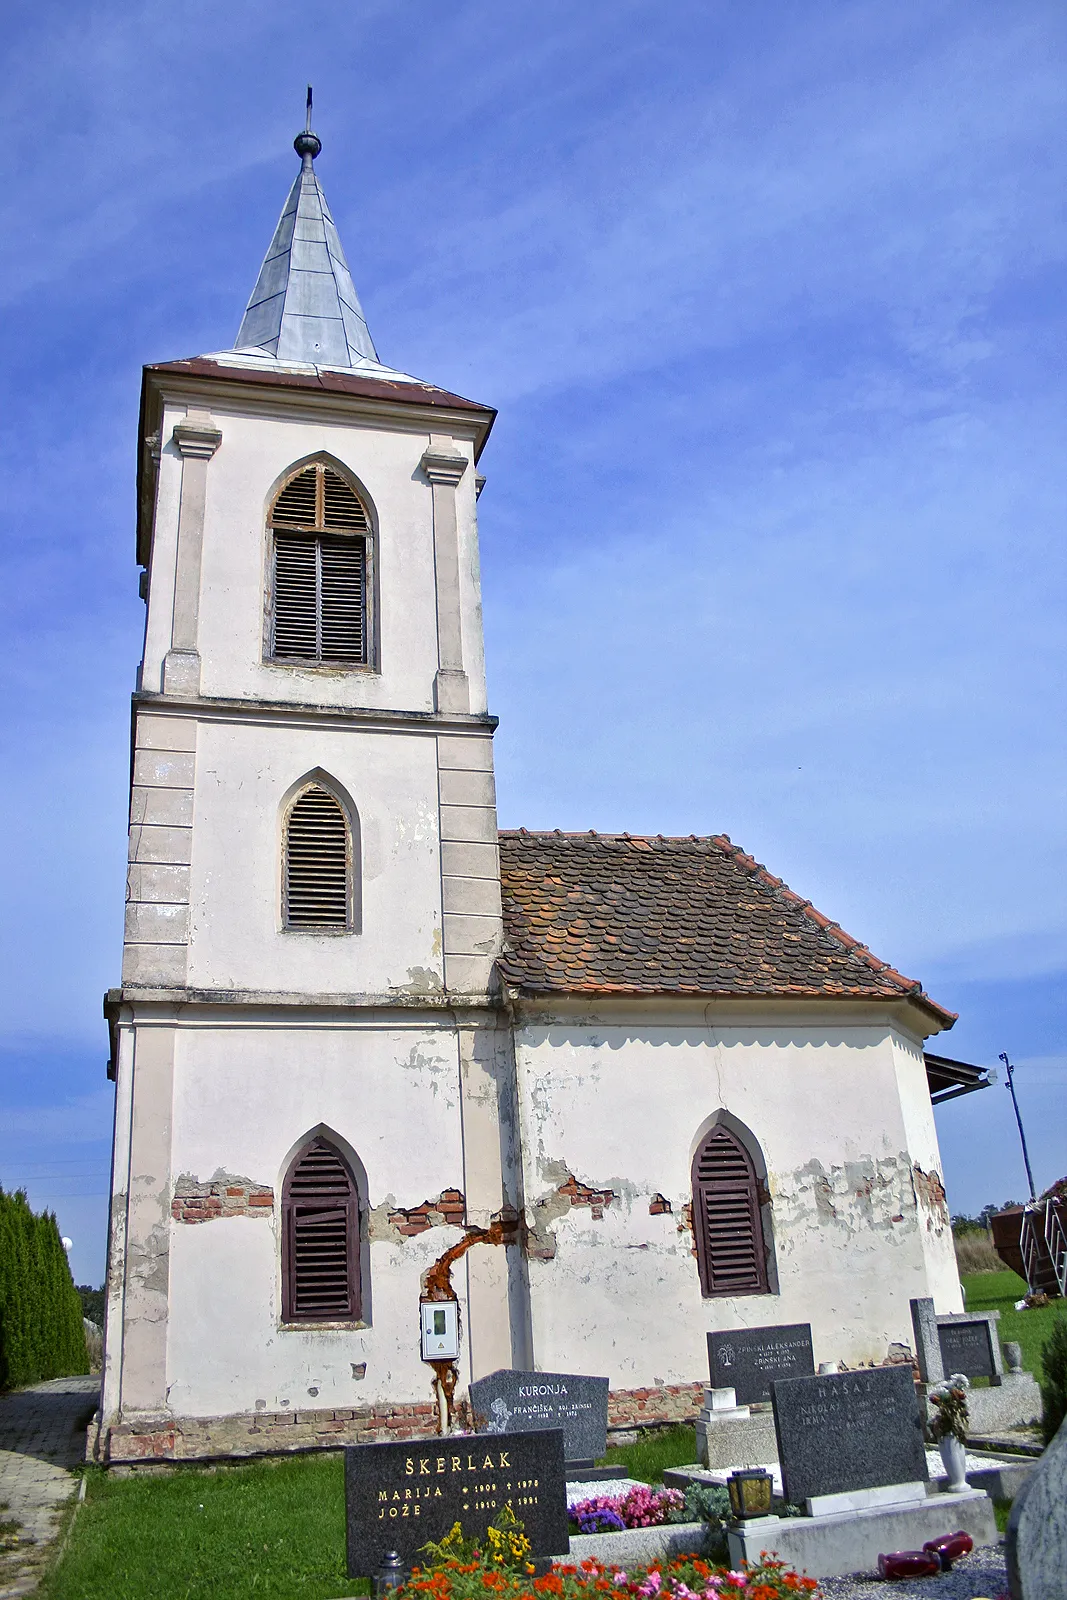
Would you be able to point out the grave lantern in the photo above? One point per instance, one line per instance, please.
(390, 1574)
(750, 1492)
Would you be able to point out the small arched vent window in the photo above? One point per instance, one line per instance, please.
(320, 535)
(726, 1217)
(320, 1238)
(318, 873)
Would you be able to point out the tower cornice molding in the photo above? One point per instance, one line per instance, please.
(209, 708)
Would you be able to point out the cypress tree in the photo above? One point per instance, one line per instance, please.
(41, 1330)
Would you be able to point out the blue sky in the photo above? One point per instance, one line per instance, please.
(771, 301)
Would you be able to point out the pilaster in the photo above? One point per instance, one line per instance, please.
(470, 863)
(145, 1268)
(444, 466)
(196, 440)
(156, 944)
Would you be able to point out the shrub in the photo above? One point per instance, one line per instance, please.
(41, 1330)
(975, 1252)
(1054, 1386)
(92, 1303)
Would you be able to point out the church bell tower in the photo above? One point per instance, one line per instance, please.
(312, 1078)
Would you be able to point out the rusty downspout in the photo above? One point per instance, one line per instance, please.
(437, 1285)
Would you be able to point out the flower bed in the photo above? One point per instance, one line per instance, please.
(688, 1578)
(639, 1507)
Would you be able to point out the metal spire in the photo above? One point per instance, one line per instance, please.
(304, 307)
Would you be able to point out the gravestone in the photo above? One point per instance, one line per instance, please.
(848, 1431)
(747, 1360)
(966, 1347)
(507, 1402)
(964, 1342)
(1037, 1529)
(397, 1496)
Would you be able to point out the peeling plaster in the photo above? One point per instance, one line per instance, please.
(872, 1194)
(421, 980)
(440, 1072)
(550, 1208)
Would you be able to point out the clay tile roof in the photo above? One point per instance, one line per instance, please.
(610, 913)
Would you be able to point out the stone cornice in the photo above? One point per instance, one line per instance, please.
(209, 708)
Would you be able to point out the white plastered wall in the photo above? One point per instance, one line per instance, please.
(620, 1106)
(244, 1098)
(246, 769)
(256, 451)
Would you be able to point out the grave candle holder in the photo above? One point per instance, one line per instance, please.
(390, 1574)
(750, 1492)
(909, 1564)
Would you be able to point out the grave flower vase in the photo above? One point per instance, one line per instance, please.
(954, 1455)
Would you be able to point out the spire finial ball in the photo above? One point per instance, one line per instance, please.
(307, 144)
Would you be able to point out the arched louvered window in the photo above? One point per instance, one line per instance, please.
(726, 1217)
(320, 539)
(318, 876)
(320, 1238)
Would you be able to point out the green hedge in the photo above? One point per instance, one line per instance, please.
(41, 1330)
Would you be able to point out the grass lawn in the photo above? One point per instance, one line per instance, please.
(661, 1447)
(264, 1532)
(998, 1291)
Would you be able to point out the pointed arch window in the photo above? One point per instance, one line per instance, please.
(320, 1237)
(319, 865)
(320, 542)
(727, 1222)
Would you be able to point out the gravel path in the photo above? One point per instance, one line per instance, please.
(980, 1576)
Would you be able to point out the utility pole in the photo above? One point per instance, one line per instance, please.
(1019, 1120)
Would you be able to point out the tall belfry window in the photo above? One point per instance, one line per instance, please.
(727, 1221)
(319, 866)
(320, 537)
(320, 1238)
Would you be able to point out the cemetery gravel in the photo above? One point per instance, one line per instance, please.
(980, 1576)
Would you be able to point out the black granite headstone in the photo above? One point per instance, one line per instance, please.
(848, 1430)
(749, 1359)
(965, 1348)
(397, 1496)
(507, 1402)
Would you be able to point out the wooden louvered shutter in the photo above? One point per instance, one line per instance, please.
(726, 1217)
(320, 1217)
(319, 589)
(318, 862)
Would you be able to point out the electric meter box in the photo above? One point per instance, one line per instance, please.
(440, 1330)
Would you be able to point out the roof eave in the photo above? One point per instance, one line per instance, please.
(195, 373)
(927, 1008)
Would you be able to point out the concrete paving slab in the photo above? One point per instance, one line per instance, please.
(42, 1437)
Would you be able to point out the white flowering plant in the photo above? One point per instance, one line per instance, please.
(951, 1415)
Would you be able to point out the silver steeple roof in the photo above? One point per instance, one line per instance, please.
(304, 306)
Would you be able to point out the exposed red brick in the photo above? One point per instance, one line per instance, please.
(450, 1208)
(659, 1206)
(202, 1202)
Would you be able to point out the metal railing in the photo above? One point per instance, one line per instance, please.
(1056, 1243)
(1043, 1243)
